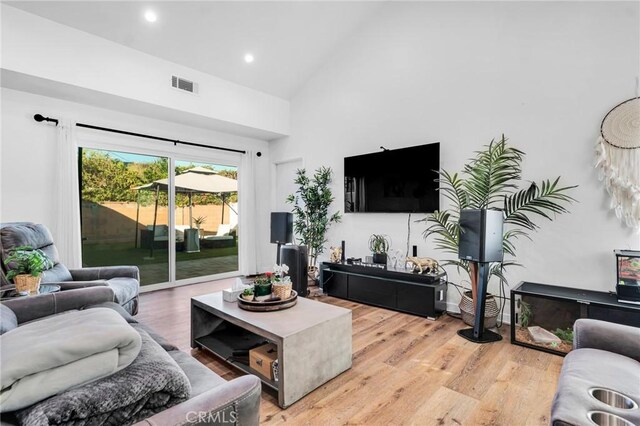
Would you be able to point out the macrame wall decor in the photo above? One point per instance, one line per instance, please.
(618, 160)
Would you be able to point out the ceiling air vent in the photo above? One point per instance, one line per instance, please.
(182, 84)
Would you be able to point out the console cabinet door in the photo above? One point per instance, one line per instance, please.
(372, 291)
(619, 316)
(416, 299)
(337, 285)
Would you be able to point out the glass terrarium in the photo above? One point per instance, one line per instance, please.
(545, 323)
(628, 276)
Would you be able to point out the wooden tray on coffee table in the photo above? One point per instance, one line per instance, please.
(260, 306)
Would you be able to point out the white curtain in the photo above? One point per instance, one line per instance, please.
(67, 198)
(247, 213)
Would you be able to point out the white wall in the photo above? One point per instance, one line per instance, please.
(27, 168)
(43, 49)
(542, 73)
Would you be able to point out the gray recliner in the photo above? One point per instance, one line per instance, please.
(123, 280)
(213, 400)
(605, 358)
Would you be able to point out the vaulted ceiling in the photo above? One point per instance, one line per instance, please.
(289, 40)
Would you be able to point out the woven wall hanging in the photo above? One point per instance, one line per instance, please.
(618, 160)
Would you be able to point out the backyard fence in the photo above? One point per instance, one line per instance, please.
(111, 222)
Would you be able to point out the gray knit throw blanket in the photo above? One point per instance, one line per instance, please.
(152, 383)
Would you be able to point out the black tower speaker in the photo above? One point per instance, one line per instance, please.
(281, 230)
(481, 242)
(281, 227)
(295, 257)
(481, 235)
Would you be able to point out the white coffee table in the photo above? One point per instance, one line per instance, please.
(313, 340)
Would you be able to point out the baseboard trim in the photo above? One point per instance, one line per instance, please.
(189, 281)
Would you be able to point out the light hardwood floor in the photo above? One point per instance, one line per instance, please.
(406, 370)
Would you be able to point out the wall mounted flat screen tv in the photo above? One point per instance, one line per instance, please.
(393, 181)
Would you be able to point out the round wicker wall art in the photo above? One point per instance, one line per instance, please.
(618, 160)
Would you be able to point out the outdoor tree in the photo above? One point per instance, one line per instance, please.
(158, 169)
(107, 179)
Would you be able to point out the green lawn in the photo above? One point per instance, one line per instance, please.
(126, 254)
(152, 270)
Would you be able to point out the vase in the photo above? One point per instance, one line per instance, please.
(467, 310)
(27, 282)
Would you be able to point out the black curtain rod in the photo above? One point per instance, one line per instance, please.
(40, 118)
(158, 138)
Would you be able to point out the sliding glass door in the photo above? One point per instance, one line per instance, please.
(126, 216)
(206, 218)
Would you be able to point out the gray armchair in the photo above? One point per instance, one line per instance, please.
(123, 280)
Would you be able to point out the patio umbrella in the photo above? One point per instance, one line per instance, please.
(197, 180)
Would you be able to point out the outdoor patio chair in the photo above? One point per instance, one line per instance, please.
(123, 280)
(223, 230)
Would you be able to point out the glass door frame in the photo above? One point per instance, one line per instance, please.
(88, 139)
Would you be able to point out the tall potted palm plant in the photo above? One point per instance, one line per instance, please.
(492, 180)
(311, 203)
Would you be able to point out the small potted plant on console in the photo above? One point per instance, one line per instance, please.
(379, 246)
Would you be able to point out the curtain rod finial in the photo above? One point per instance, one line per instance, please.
(40, 118)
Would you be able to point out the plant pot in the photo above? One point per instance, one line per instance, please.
(380, 258)
(313, 276)
(27, 282)
(467, 310)
(312, 273)
(282, 290)
(191, 240)
(247, 296)
(262, 292)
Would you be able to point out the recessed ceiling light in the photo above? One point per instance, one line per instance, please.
(150, 16)
(248, 58)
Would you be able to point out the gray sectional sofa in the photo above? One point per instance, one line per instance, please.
(123, 280)
(606, 357)
(213, 400)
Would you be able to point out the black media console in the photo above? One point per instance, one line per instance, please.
(405, 291)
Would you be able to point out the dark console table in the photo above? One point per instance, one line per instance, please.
(556, 308)
(405, 291)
